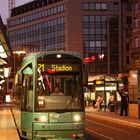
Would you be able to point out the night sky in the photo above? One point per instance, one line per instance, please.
(4, 8)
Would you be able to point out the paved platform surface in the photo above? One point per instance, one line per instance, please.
(8, 129)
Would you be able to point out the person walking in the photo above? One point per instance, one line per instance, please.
(124, 103)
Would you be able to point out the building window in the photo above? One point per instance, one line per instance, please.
(127, 60)
(127, 47)
(114, 6)
(94, 6)
(49, 33)
(95, 46)
(137, 23)
(137, 6)
(36, 16)
(137, 42)
(129, 6)
(129, 20)
(85, 6)
(10, 85)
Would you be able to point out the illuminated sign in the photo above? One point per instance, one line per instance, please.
(53, 68)
(93, 58)
(98, 82)
(61, 68)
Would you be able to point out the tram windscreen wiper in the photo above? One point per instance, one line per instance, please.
(41, 79)
(70, 102)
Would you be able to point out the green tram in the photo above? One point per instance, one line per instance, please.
(51, 117)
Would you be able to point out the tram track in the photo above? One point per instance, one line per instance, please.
(96, 133)
(99, 134)
(107, 130)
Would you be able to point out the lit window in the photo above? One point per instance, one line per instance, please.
(137, 23)
(137, 6)
(137, 42)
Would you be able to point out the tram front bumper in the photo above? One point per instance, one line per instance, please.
(58, 131)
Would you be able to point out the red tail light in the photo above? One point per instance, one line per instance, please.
(73, 135)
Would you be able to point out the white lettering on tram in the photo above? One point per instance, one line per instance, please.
(61, 68)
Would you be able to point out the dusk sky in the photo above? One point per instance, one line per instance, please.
(4, 7)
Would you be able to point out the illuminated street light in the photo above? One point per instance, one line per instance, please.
(6, 72)
(2, 52)
(19, 52)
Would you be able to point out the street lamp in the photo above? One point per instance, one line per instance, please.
(19, 52)
(6, 72)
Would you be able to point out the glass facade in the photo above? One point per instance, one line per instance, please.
(95, 42)
(101, 37)
(136, 25)
(36, 16)
(113, 6)
(49, 35)
(94, 6)
(100, 34)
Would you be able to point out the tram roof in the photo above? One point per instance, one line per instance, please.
(31, 56)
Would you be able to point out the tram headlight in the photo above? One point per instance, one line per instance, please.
(77, 118)
(43, 118)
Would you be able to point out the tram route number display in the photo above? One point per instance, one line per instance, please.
(58, 67)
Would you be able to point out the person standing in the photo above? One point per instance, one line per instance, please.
(98, 102)
(111, 103)
(124, 103)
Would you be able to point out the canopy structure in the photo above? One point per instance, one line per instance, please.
(109, 81)
(2, 61)
(5, 51)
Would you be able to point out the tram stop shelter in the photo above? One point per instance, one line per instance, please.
(104, 86)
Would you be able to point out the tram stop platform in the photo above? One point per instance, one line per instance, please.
(8, 129)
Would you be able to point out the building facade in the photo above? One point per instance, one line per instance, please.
(97, 29)
(135, 49)
(134, 77)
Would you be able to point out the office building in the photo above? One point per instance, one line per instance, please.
(97, 29)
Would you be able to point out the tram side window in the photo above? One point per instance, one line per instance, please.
(27, 98)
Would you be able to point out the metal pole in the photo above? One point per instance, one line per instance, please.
(139, 94)
(104, 94)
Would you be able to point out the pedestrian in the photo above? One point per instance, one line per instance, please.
(124, 102)
(98, 103)
(111, 103)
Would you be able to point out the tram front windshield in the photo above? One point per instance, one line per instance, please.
(59, 87)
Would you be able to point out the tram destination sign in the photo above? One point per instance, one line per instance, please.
(52, 68)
